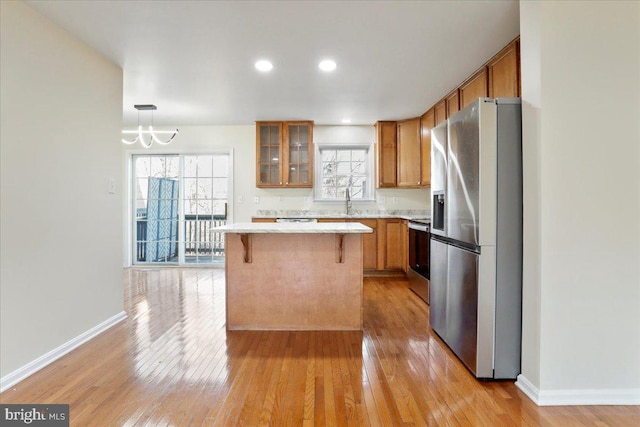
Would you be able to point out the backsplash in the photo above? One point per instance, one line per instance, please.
(377, 213)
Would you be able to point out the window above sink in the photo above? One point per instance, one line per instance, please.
(340, 167)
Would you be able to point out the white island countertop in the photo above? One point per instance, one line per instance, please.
(295, 227)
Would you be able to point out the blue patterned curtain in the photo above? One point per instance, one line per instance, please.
(162, 220)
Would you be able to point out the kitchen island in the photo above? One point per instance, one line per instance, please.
(294, 276)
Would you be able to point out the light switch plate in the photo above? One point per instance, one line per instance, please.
(111, 186)
(256, 200)
(381, 199)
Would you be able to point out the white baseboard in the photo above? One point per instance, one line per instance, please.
(527, 388)
(34, 366)
(578, 397)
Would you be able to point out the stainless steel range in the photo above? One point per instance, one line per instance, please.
(418, 273)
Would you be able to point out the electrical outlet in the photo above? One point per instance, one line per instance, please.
(394, 199)
(256, 200)
(381, 199)
(240, 199)
(281, 199)
(306, 199)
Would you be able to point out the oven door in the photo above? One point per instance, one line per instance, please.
(419, 241)
(418, 273)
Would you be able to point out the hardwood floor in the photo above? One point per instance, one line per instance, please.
(172, 363)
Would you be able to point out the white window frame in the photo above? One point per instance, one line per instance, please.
(369, 196)
(129, 232)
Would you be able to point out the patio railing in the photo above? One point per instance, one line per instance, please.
(199, 239)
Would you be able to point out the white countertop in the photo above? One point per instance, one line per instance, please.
(295, 227)
(408, 214)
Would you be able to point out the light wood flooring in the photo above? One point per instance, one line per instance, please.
(172, 363)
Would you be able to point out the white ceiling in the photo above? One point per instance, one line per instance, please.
(194, 59)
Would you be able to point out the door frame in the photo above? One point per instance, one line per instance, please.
(129, 226)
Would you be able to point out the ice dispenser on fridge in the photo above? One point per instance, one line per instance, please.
(438, 178)
(437, 212)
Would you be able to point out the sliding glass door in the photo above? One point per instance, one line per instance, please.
(178, 201)
(205, 207)
(156, 208)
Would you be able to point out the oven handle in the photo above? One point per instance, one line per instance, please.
(418, 227)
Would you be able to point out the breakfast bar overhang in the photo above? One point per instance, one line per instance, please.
(294, 276)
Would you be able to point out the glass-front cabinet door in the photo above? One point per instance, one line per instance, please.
(269, 154)
(299, 154)
(284, 154)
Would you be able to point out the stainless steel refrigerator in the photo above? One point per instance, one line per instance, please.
(476, 236)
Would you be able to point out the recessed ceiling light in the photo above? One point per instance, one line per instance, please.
(346, 121)
(327, 65)
(264, 65)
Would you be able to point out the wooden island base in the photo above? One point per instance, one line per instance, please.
(294, 281)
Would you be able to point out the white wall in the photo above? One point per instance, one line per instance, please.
(386, 199)
(242, 140)
(61, 116)
(238, 140)
(531, 105)
(581, 91)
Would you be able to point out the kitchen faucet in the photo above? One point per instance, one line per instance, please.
(348, 201)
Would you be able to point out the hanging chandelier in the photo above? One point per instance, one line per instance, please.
(152, 134)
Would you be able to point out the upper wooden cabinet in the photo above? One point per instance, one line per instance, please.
(498, 78)
(453, 103)
(268, 154)
(427, 122)
(440, 111)
(401, 159)
(386, 154)
(298, 154)
(474, 87)
(504, 72)
(409, 153)
(404, 160)
(284, 154)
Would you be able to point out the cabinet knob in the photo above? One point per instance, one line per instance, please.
(280, 182)
(287, 183)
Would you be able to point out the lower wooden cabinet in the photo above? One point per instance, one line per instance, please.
(404, 227)
(384, 250)
(390, 246)
(369, 244)
(263, 220)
